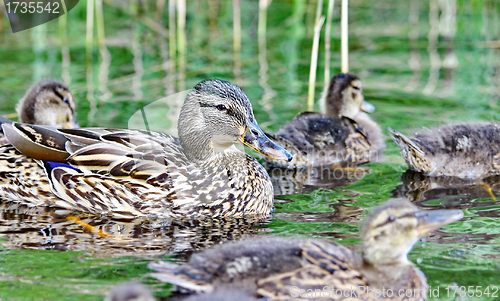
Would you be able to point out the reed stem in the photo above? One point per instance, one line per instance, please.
(328, 29)
(237, 40)
(172, 41)
(90, 32)
(344, 39)
(160, 6)
(65, 57)
(314, 64)
(181, 42)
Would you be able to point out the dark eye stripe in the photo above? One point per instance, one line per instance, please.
(229, 111)
(356, 88)
(388, 221)
(58, 94)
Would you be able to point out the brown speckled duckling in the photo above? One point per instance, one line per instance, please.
(343, 134)
(331, 106)
(279, 268)
(47, 102)
(466, 150)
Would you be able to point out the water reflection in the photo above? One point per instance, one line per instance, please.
(288, 181)
(344, 211)
(454, 192)
(104, 52)
(138, 67)
(414, 61)
(269, 92)
(47, 228)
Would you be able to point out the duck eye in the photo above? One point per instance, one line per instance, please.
(391, 219)
(356, 88)
(221, 107)
(66, 100)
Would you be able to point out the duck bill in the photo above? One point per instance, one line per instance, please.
(431, 220)
(367, 107)
(71, 125)
(255, 138)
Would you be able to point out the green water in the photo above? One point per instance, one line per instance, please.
(46, 257)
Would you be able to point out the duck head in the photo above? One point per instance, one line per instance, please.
(215, 115)
(344, 97)
(393, 228)
(50, 103)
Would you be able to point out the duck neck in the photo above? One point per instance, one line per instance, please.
(383, 256)
(330, 103)
(193, 135)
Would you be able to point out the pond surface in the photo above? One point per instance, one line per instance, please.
(422, 63)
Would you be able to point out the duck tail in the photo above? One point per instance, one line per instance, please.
(4, 120)
(412, 151)
(172, 273)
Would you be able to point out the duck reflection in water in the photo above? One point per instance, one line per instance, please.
(288, 181)
(45, 228)
(455, 192)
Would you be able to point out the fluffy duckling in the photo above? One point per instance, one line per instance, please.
(132, 173)
(47, 102)
(344, 97)
(344, 134)
(282, 268)
(466, 150)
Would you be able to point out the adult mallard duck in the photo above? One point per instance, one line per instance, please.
(343, 134)
(466, 150)
(131, 173)
(47, 102)
(284, 268)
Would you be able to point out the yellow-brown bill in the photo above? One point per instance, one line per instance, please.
(431, 220)
(255, 138)
(367, 107)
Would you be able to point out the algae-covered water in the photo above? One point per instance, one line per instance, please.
(422, 63)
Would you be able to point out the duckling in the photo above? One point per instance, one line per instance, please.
(284, 269)
(344, 134)
(47, 102)
(133, 173)
(347, 87)
(465, 150)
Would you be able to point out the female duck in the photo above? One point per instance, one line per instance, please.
(130, 173)
(282, 268)
(47, 102)
(344, 134)
(467, 150)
